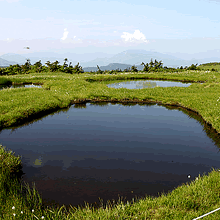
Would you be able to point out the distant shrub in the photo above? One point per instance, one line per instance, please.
(37, 67)
(26, 67)
(99, 70)
(78, 69)
(111, 72)
(153, 66)
(193, 67)
(53, 67)
(127, 69)
(146, 67)
(2, 72)
(134, 69)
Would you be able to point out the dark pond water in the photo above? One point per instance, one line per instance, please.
(141, 84)
(90, 151)
(19, 86)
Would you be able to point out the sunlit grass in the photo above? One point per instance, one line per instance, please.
(60, 90)
(210, 66)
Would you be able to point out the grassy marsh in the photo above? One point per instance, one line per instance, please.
(5, 81)
(60, 90)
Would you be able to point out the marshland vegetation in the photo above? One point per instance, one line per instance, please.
(61, 89)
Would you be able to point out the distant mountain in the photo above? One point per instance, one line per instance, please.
(136, 57)
(5, 63)
(73, 57)
(112, 66)
(93, 59)
(44, 57)
(15, 58)
(127, 58)
(50, 56)
(95, 62)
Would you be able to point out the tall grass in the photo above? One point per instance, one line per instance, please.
(5, 81)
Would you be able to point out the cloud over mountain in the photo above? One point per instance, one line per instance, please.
(136, 36)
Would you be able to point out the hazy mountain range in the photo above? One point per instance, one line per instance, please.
(125, 59)
(112, 66)
(4, 62)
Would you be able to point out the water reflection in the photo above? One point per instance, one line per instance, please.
(147, 84)
(19, 86)
(105, 150)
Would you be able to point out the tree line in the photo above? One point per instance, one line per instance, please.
(39, 67)
(152, 66)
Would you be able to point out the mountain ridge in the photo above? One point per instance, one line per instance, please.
(4, 62)
(89, 61)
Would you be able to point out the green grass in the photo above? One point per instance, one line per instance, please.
(60, 90)
(210, 66)
(5, 81)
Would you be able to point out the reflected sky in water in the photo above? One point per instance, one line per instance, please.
(147, 84)
(148, 149)
(19, 86)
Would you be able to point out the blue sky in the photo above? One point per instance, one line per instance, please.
(108, 26)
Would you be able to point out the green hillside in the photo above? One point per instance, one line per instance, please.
(210, 66)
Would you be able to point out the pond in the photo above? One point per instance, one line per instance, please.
(141, 84)
(20, 86)
(110, 150)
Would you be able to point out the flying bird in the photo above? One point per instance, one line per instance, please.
(27, 48)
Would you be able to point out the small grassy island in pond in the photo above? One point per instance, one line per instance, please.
(62, 86)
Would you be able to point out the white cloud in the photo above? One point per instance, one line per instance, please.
(65, 34)
(136, 36)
